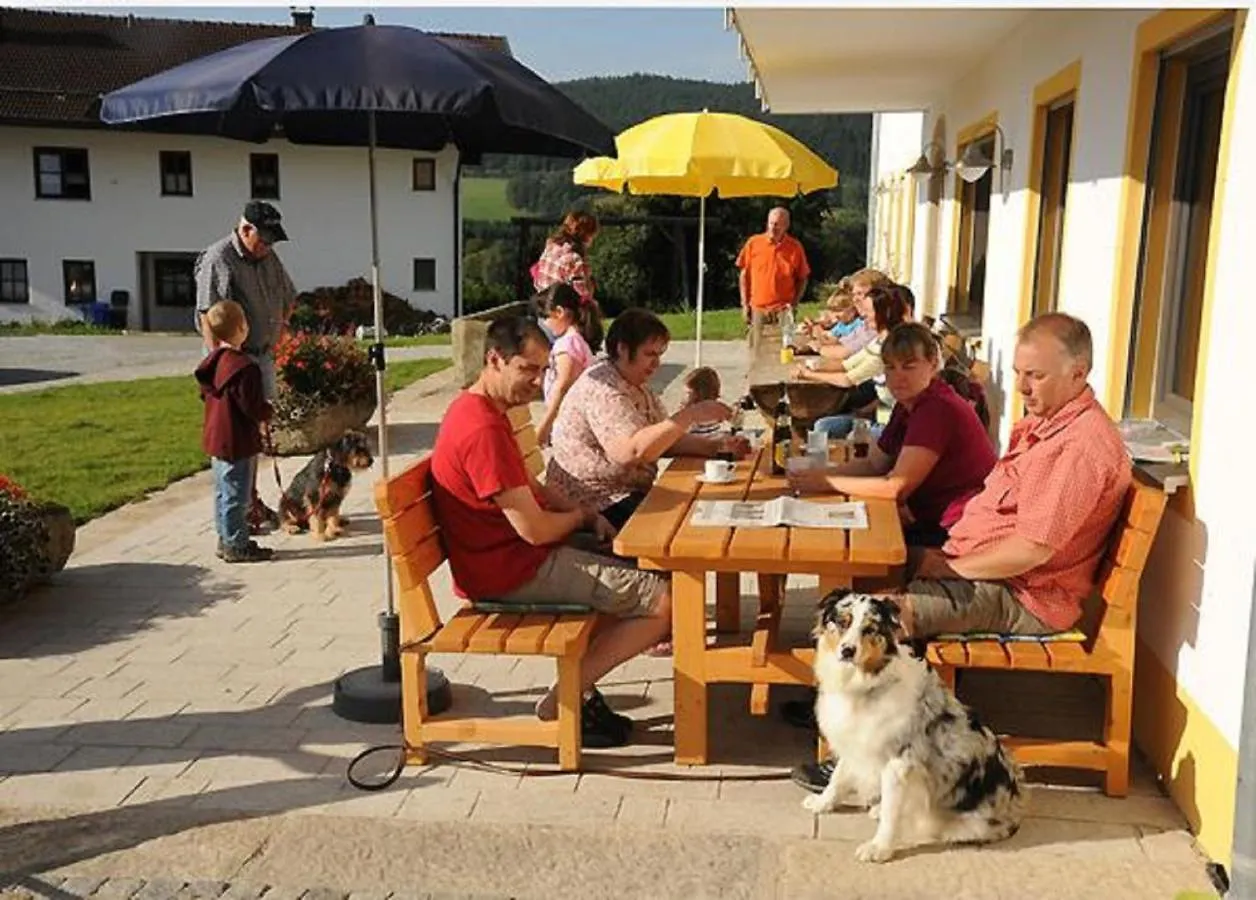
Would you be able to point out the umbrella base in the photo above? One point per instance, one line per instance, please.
(365, 695)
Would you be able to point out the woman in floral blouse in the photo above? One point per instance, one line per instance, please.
(611, 429)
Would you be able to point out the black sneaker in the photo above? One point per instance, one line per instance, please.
(220, 551)
(250, 553)
(800, 713)
(813, 777)
(600, 728)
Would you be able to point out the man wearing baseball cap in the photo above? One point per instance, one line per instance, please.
(244, 267)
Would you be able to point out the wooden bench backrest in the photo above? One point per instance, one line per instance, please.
(1122, 566)
(412, 537)
(525, 437)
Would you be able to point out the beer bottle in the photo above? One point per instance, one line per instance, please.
(781, 436)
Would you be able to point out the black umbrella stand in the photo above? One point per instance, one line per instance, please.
(373, 693)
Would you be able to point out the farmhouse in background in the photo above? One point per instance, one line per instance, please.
(95, 214)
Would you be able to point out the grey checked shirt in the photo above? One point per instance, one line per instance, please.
(224, 271)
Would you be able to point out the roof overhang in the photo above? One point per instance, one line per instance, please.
(887, 59)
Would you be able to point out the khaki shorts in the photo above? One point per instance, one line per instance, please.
(758, 319)
(607, 584)
(956, 606)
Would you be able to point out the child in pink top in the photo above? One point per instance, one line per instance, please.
(576, 324)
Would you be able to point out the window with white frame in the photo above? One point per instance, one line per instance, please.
(79, 276)
(61, 173)
(423, 175)
(425, 275)
(15, 284)
(176, 173)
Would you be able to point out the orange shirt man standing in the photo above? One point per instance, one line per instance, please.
(774, 272)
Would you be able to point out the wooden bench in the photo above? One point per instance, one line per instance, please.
(412, 537)
(525, 437)
(1107, 652)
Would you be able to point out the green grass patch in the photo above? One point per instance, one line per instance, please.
(414, 340)
(406, 372)
(484, 199)
(95, 447)
(718, 324)
(64, 326)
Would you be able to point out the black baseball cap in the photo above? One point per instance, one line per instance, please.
(266, 219)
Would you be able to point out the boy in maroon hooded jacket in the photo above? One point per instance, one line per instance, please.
(235, 407)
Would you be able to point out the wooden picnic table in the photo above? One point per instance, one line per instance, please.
(660, 537)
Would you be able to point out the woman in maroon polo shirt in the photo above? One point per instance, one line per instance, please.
(933, 455)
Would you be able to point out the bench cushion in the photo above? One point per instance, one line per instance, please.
(1073, 636)
(497, 606)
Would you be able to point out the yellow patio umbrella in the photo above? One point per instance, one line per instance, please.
(696, 154)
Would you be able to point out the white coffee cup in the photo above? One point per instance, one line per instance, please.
(818, 442)
(717, 470)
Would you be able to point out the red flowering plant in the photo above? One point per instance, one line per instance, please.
(316, 371)
(23, 541)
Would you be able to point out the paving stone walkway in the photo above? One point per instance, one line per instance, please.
(165, 729)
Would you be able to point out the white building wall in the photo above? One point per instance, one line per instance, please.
(1208, 644)
(323, 197)
(1198, 590)
(1004, 83)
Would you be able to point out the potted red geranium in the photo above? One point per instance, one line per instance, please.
(36, 539)
(325, 385)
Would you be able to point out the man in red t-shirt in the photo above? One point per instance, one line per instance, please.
(505, 532)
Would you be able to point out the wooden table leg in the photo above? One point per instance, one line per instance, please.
(771, 598)
(688, 650)
(727, 602)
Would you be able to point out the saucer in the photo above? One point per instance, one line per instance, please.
(701, 476)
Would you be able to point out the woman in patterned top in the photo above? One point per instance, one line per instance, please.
(611, 429)
(577, 329)
(564, 258)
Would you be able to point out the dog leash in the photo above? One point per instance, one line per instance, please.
(268, 445)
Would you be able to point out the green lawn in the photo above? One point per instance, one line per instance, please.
(718, 324)
(64, 326)
(484, 199)
(95, 447)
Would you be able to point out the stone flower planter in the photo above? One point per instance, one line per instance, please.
(39, 546)
(322, 429)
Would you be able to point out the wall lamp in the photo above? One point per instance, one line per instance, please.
(974, 162)
(972, 165)
(924, 168)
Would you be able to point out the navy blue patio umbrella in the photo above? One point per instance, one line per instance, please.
(370, 86)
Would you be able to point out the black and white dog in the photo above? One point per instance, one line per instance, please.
(906, 748)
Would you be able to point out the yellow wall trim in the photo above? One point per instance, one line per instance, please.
(1195, 762)
(965, 136)
(1064, 82)
(1214, 234)
(1153, 35)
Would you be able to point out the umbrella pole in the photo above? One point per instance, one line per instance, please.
(697, 354)
(373, 693)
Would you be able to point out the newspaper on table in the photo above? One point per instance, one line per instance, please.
(1147, 440)
(781, 511)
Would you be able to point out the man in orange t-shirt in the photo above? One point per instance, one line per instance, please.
(774, 273)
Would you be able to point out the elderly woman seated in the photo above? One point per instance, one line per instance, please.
(887, 307)
(934, 454)
(612, 429)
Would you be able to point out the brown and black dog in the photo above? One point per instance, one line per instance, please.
(313, 498)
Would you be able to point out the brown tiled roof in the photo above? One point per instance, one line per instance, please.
(55, 65)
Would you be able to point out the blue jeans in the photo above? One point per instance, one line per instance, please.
(842, 426)
(233, 492)
(835, 426)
